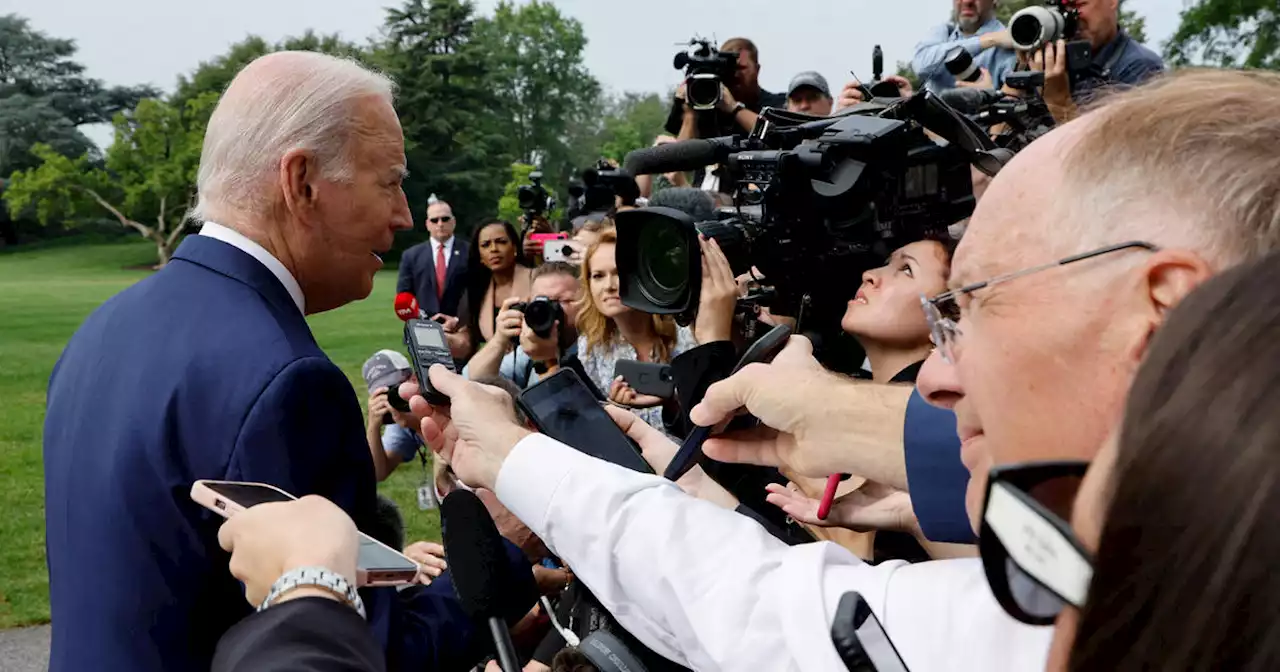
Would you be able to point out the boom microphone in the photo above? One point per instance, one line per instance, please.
(678, 156)
(482, 576)
(969, 100)
(406, 306)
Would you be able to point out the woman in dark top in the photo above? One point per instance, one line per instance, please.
(496, 270)
(886, 318)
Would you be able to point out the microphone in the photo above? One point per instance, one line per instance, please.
(406, 306)
(969, 101)
(678, 156)
(482, 576)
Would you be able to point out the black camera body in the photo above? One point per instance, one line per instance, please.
(541, 314)
(819, 203)
(534, 199)
(603, 182)
(705, 69)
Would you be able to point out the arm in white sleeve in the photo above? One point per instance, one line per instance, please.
(931, 52)
(701, 585)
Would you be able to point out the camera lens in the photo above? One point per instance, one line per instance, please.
(664, 264)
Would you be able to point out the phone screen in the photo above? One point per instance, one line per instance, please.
(372, 555)
(875, 642)
(564, 409)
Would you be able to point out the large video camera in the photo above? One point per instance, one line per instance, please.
(534, 199)
(606, 178)
(705, 69)
(819, 201)
(1016, 120)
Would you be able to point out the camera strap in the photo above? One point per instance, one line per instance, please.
(1122, 42)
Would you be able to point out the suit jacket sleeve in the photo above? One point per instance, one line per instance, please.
(309, 634)
(404, 282)
(935, 474)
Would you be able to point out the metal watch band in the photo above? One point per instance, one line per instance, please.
(319, 577)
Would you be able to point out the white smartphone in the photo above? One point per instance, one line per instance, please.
(376, 565)
(561, 250)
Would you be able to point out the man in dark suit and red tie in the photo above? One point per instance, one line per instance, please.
(435, 271)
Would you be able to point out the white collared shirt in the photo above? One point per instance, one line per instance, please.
(448, 250)
(241, 242)
(712, 590)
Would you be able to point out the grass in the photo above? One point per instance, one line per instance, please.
(45, 293)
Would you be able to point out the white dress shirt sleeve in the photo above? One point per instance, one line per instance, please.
(712, 590)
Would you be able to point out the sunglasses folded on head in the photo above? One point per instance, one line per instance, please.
(1034, 562)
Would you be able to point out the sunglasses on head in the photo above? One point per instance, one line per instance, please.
(1033, 561)
(437, 220)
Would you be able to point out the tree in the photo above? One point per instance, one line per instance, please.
(1229, 34)
(147, 182)
(543, 85)
(1134, 25)
(454, 135)
(509, 205)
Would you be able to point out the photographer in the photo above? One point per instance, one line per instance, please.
(1117, 59)
(517, 353)
(741, 100)
(975, 27)
(395, 442)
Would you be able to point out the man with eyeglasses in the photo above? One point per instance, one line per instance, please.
(435, 271)
(1079, 248)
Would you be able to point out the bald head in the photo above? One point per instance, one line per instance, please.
(280, 102)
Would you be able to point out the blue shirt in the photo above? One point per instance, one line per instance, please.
(401, 442)
(936, 477)
(931, 53)
(1122, 61)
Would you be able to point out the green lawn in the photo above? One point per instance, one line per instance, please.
(44, 296)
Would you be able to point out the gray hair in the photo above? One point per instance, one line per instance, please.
(280, 102)
(1187, 161)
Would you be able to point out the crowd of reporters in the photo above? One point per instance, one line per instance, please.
(1051, 449)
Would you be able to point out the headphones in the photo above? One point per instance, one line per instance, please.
(602, 648)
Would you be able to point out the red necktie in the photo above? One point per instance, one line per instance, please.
(440, 271)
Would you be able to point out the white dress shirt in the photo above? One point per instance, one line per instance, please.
(448, 251)
(712, 590)
(241, 242)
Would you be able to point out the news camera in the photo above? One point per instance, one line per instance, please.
(541, 314)
(605, 177)
(533, 197)
(1033, 27)
(1016, 120)
(705, 69)
(817, 202)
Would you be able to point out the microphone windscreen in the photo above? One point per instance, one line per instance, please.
(673, 156)
(487, 585)
(406, 306)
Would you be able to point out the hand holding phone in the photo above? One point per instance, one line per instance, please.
(376, 565)
(427, 345)
(562, 407)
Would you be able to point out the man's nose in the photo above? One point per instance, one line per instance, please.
(938, 383)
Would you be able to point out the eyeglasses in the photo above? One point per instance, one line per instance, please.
(1034, 563)
(942, 312)
(437, 220)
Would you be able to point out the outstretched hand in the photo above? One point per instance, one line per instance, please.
(475, 433)
(873, 506)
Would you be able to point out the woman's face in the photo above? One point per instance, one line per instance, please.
(604, 282)
(887, 306)
(1087, 517)
(497, 252)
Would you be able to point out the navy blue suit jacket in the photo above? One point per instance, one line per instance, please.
(418, 275)
(204, 370)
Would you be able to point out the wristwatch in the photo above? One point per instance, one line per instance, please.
(738, 108)
(320, 578)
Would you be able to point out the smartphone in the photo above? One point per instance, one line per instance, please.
(650, 378)
(548, 237)
(560, 250)
(427, 345)
(376, 565)
(860, 640)
(763, 350)
(563, 407)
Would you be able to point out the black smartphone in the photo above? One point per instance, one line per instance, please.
(763, 350)
(860, 640)
(562, 407)
(427, 345)
(651, 378)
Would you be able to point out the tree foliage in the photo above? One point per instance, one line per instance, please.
(146, 182)
(1229, 34)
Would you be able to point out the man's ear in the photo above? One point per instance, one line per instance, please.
(1168, 277)
(298, 176)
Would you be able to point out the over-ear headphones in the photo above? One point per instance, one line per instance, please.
(608, 653)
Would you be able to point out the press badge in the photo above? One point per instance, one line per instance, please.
(426, 497)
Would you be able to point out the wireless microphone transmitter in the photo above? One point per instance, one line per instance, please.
(427, 345)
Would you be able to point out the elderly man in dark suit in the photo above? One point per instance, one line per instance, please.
(208, 370)
(435, 271)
